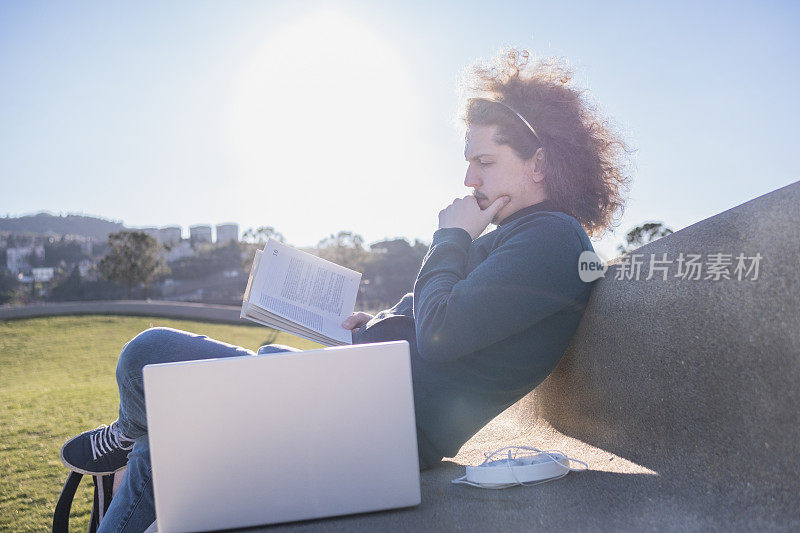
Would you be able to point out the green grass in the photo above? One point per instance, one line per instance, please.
(57, 380)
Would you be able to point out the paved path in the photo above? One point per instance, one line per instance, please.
(192, 311)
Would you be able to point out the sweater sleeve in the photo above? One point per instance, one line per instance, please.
(531, 274)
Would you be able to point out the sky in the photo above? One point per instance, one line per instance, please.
(320, 116)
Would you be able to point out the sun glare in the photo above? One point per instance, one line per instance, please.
(322, 116)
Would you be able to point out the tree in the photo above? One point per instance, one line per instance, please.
(208, 261)
(345, 248)
(68, 288)
(58, 251)
(253, 239)
(641, 235)
(261, 235)
(133, 258)
(390, 271)
(9, 286)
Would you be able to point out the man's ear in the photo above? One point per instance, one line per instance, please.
(536, 166)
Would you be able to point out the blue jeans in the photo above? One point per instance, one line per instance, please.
(133, 507)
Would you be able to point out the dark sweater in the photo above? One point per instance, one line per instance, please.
(488, 320)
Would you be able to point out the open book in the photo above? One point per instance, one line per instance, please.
(300, 293)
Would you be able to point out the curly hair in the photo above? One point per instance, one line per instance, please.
(584, 160)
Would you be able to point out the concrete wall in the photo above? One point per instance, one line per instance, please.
(698, 380)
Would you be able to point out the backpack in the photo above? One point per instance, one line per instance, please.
(103, 490)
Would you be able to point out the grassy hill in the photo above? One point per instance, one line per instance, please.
(43, 223)
(57, 380)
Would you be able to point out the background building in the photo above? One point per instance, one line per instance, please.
(178, 251)
(170, 235)
(18, 259)
(43, 274)
(200, 233)
(227, 233)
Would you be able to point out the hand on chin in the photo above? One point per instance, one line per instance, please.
(468, 213)
(484, 202)
(499, 216)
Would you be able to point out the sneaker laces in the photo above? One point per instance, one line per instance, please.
(108, 439)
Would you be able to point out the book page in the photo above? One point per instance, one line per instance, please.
(305, 289)
(253, 269)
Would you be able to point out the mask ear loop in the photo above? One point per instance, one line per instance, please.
(556, 459)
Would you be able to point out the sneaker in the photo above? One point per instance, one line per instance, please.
(98, 451)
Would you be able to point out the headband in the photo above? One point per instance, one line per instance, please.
(516, 113)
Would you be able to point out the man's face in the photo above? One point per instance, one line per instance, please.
(495, 170)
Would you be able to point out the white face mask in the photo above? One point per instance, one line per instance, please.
(519, 469)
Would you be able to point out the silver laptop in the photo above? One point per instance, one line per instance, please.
(275, 438)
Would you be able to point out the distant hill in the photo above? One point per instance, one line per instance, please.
(43, 223)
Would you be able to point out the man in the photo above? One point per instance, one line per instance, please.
(490, 315)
